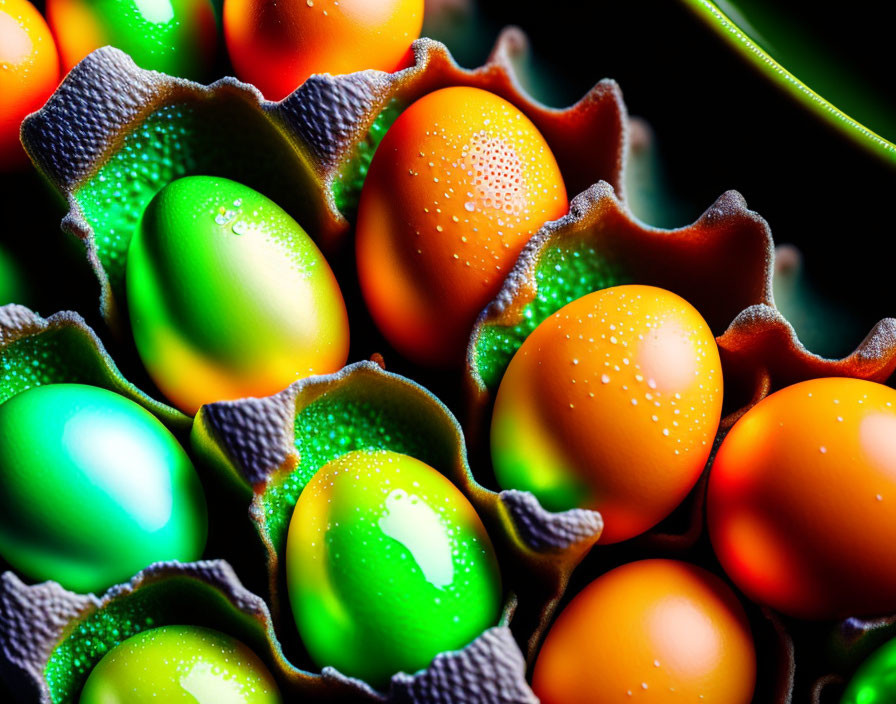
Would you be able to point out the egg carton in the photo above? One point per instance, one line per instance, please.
(310, 153)
(253, 444)
(51, 638)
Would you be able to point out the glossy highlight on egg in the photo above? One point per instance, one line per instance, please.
(95, 488)
(612, 403)
(387, 565)
(180, 664)
(649, 631)
(457, 187)
(29, 71)
(174, 36)
(228, 296)
(875, 680)
(801, 501)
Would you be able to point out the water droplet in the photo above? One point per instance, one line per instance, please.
(223, 218)
(469, 206)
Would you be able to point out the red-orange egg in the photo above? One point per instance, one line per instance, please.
(277, 44)
(460, 183)
(802, 500)
(655, 631)
(612, 404)
(29, 72)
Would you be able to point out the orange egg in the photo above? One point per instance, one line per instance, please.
(612, 403)
(459, 184)
(29, 71)
(654, 631)
(277, 44)
(802, 500)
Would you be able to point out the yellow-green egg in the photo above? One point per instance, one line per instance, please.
(228, 296)
(387, 565)
(180, 664)
(95, 488)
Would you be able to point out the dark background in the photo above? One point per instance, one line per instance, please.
(721, 125)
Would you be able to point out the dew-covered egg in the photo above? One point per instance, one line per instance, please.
(176, 37)
(95, 488)
(875, 680)
(459, 184)
(801, 503)
(612, 404)
(29, 71)
(277, 45)
(655, 631)
(228, 296)
(188, 664)
(387, 565)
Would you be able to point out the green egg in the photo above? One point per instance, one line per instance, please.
(176, 37)
(875, 680)
(229, 297)
(387, 565)
(180, 664)
(95, 488)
